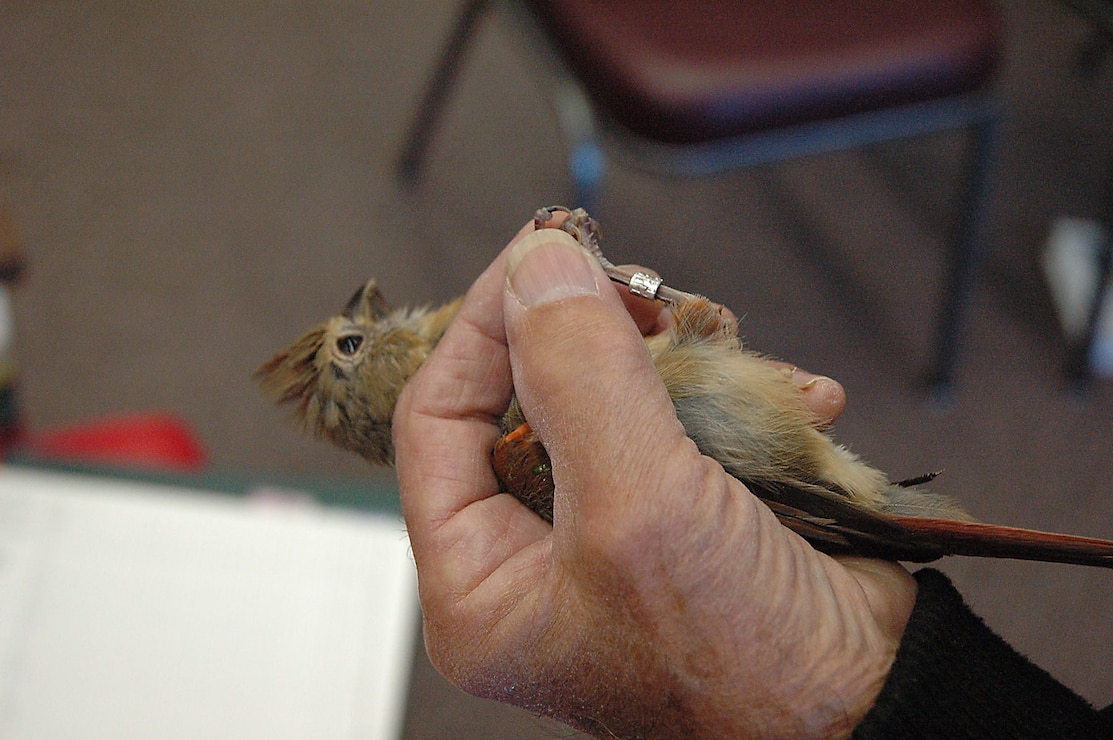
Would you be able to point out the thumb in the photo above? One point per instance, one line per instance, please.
(584, 377)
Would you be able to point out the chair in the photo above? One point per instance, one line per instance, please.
(698, 88)
(1092, 56)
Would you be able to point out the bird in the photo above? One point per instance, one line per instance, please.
(343, 377)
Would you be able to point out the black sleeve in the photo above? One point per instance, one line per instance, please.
(954, 678)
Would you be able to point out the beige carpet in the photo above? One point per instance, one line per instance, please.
(197, 182)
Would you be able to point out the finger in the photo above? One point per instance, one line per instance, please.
(824, 396)
(583, 374)
(445, 424)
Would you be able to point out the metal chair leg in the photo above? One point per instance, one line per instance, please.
(965, 253)
(1078, 355)
(421, 130)
(1079, 371)
(586, 159)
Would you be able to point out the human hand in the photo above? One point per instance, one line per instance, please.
(665, 599)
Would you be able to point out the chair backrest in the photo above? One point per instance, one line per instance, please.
(689, 73)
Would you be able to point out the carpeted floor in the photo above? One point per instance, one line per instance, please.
(195, 183)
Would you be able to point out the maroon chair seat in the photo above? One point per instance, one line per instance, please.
(686, 73)
(701, 87)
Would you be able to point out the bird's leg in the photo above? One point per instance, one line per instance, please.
(585, 230)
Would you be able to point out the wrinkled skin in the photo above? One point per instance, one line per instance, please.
(664, 600)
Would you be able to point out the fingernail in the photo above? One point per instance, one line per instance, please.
(548, 265)
(808, 384)
(806, 381)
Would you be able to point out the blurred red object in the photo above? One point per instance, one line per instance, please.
(151, 441)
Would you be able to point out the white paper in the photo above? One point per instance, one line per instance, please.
(131, 610)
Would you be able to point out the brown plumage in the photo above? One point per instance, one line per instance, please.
(343, 378)
(344, 375)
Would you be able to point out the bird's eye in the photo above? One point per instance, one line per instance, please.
(349, 343)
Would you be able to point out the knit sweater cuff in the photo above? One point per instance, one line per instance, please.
(953, 677)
